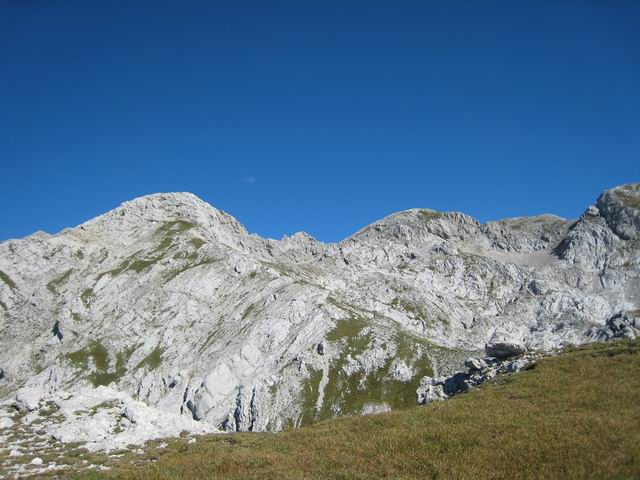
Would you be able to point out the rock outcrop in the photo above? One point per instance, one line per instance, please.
(624, 324)
(504, 350)
(620, 207)
(478, 371)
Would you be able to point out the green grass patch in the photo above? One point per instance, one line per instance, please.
(115, 271)
(413, 351)
(310, 396)
(629, 195)
(197, 242)
(347, 394)
(428, 215)
(97, 354)
(166, 235)
(87, 297)
(153, 360)
(298, 274)
(168, 232)
(213, 334)
(171, 274)
(6, 279)
(140, 265)
(79, 358)
(415, 310)
(247, 311)
(53, 285)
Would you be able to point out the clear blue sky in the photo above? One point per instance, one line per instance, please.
(318, 116)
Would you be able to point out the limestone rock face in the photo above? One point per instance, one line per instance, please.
(170, 302)
(620, 207)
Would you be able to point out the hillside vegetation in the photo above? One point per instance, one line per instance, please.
(575, 415)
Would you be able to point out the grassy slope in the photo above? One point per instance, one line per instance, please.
(573, 416)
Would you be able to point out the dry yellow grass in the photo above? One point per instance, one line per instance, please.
(573, 416)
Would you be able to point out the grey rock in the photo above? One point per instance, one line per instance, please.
(430, 390)
(504, 349)
(475, 363)
(6, 422)
(518, 365)
(623, 324)
(592, 211)
(28, 400)
(620, 207)
(375, 408)
(458, 382)
(401, 371)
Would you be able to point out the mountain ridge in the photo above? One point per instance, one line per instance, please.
(193, 197)
(188, 195)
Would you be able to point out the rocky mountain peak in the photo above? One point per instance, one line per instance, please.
(144, 215)
(620, 207)
(419, 225)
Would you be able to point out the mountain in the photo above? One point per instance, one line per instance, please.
(169, 308)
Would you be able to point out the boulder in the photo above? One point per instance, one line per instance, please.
(430, 390)
(401, 371)
(375, 408)
(504, 349)
(622, 325)
(591, 211)
(456, 383)
(518, 365)
(475, 364)
(28, 399)
(5, 422)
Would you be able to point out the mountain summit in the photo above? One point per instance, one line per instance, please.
(166, 315)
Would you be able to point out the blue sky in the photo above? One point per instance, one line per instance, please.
(316, 116)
